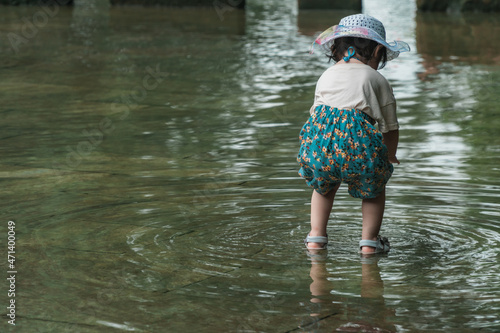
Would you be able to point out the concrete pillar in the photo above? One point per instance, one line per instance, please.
(91, 7)
(89, 28)
(355, 5)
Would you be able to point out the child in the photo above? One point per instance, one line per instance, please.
(339, 143)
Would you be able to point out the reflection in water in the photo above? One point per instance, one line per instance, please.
(332, 311)
(88, 27)
(443, 38)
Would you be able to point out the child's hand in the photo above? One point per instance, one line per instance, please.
(394, 159)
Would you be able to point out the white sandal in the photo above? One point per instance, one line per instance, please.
(316, 239)
(381, 245)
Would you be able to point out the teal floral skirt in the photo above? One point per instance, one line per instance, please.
(343, 146)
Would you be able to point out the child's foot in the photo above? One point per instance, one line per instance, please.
(381, 245)
(368, 250)
(316, 242)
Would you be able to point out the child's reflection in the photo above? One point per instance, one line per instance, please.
(320, 286)
(372, 285)
(368, 313)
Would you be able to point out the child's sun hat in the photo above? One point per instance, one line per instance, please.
(361, 26)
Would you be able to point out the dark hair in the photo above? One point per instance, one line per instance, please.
(365, 49)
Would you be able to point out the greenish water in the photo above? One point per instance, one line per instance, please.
(148, 161)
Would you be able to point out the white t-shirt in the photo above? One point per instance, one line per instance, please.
(358, 86)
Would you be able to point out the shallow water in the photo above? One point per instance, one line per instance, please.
(148, 161)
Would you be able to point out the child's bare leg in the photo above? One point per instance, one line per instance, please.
(321, 206)
(373, 213)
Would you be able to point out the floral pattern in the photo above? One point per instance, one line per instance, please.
(342, 146)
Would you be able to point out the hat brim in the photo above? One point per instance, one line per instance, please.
(326, 39)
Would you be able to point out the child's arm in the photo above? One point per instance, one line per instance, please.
(391, 140)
